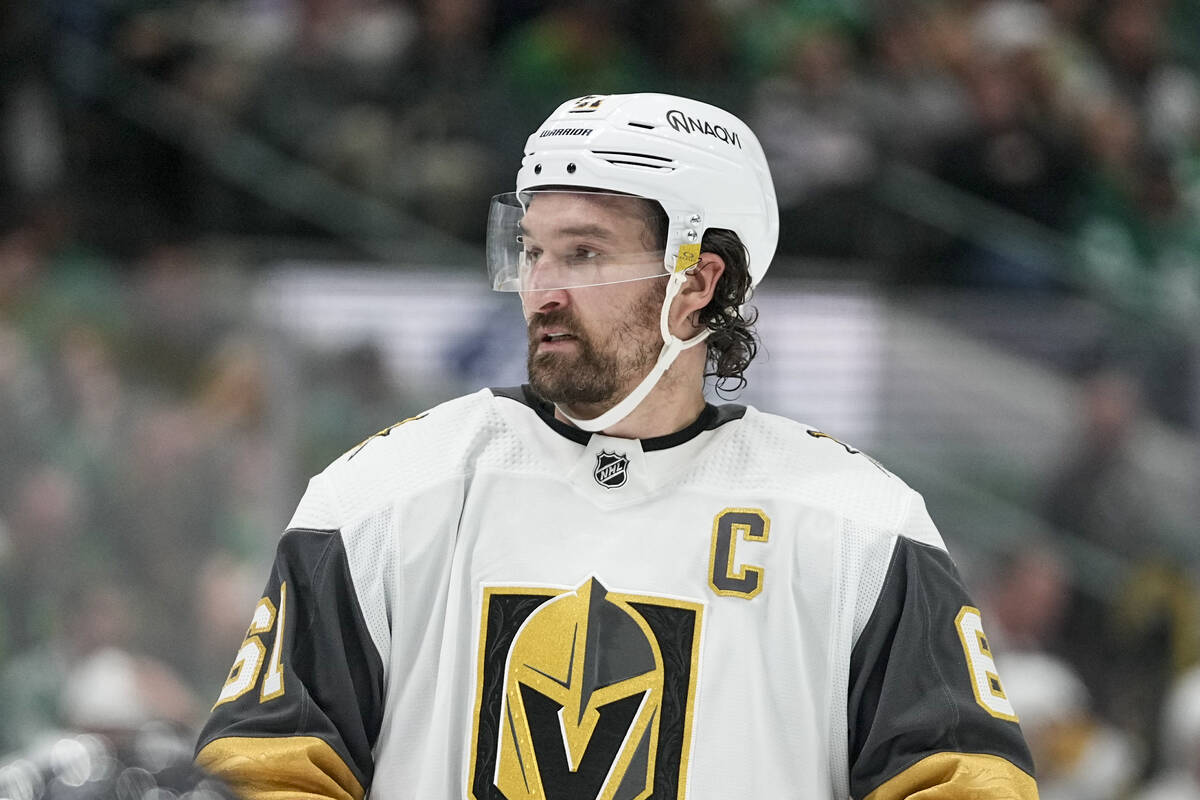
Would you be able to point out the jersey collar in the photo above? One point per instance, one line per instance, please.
(711, 417)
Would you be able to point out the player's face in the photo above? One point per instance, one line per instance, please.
(591, 344)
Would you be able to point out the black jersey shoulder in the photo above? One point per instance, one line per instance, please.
(711, 418)
(910, 693)
(332, 684)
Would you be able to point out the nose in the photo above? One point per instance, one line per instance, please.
(539, 301)
(541, 287)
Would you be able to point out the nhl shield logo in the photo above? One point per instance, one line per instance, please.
(612, 469)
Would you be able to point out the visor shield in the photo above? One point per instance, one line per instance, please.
(544, 240)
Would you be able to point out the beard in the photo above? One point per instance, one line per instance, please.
(601, 370)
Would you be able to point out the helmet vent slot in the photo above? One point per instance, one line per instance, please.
(661, 167)
(643, 160)
(632, 155)
(645, 125)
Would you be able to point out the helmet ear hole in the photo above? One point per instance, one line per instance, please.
(570, 169)
(537, 170)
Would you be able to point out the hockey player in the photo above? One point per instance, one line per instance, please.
(597, 586)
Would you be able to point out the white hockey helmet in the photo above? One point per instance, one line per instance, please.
(701, 163)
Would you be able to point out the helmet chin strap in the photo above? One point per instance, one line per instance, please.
(672, 347)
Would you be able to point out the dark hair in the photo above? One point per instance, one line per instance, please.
(733, 342)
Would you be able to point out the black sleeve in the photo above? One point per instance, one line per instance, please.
(926, 707)
(301, 715)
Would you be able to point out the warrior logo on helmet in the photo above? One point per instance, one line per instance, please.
(583, 694)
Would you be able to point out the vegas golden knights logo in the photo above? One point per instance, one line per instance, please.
(583, 695)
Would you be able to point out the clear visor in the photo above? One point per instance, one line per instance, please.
(550, 239)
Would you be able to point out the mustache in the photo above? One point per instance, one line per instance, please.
(553, 319)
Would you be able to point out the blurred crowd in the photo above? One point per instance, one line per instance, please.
(1054, 142)
(1049, 147)
(1097, 625)
(152, 454)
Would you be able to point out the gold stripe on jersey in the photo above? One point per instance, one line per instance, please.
(381, 434)
(280, 768)
(947, 776)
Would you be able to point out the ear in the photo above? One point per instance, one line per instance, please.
(695, 294)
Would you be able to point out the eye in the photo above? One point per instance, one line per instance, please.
(582, 254)
(529, 253)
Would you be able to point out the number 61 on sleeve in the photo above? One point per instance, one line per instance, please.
(243, 675)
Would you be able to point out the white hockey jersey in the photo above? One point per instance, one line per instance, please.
(484, 602)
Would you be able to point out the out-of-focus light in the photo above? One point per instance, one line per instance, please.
(201, 793)
(133, 783)
(158, 747)
(71, 762)
(20, 780)
(104, 764)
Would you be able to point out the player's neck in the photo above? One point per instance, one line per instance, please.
(674, 403)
